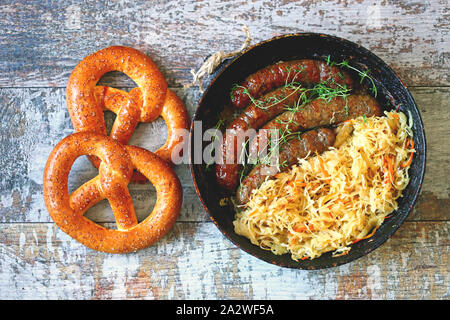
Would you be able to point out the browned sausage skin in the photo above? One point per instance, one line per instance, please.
(305, 71)
(317, 113)
(253, 117)
(309, 142)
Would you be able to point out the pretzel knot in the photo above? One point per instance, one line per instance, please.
(115, 172)
(151, 99)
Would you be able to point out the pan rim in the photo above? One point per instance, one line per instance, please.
(382, 238)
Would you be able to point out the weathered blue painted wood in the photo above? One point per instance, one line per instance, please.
(41, 41)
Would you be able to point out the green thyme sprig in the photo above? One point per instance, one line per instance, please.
(362, 74)
(321, 90)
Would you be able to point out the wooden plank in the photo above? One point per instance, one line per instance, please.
(434, 201)
(41, 42)
(196, 262)
(33, 120)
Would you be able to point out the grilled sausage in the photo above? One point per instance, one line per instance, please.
(317, 113)
(253, 117)
(309, 142)
(305, 71)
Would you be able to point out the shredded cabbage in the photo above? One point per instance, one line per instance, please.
(328, 202)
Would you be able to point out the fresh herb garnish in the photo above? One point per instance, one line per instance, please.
(362, 74)
(321, 90)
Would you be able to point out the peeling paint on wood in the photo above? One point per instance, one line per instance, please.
(51, 37)
(194, 261)
(40, 44)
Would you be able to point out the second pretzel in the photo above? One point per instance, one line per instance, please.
(86, 101)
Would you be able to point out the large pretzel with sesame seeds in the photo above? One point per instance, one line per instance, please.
(151, 99)
(115, 171)
(118, 101)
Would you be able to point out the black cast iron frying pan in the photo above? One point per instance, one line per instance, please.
(392, 94)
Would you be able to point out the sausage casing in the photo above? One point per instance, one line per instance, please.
(253, 117)
(305, 71)
(308, 143)
(317, 113)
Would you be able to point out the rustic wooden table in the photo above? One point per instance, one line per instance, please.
(41, 42)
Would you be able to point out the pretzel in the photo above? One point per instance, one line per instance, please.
(115, 172)
(151, 99)
(173, 112)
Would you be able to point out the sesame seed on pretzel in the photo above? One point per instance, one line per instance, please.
(115, 171)
(151, 99)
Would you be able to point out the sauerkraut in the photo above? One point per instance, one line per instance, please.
(328, 202)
